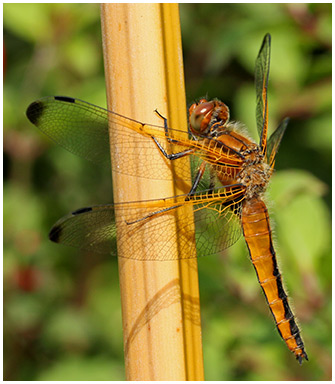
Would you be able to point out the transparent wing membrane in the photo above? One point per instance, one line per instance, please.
(262, 70)
(82, 128)
(95, 228)
(274, 141)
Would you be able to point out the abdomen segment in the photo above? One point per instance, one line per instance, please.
(257, 233)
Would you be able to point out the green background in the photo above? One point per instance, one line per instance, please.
(62, 311)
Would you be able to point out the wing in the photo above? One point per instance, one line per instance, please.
(77, 126)
(274, 142)
(216, 218)
(261, 83)
(82, 128)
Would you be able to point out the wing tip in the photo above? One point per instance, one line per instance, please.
(36, 108)
(266, 43)
(55, 233)
(34, 111)
(267, 37)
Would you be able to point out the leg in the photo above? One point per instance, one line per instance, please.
(152, 214)
(172, 156)
(166, 128)
(196, 181)
(188, 197)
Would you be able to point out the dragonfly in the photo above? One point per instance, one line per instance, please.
(230, 174)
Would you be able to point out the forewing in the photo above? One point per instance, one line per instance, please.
(216, 218)
(262, 69)
(82, 128)
(274, 141)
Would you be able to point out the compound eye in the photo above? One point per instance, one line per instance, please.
(200, 116)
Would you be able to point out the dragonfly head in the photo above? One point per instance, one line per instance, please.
(204, 114)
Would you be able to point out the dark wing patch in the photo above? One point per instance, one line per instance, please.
(66, 99)
(35, 111)
(81, 210)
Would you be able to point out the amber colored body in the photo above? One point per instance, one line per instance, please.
(236, 159)
(257, 234)
(255, 174)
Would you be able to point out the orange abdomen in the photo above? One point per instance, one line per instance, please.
(257, 233)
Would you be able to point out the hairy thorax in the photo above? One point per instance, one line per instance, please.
(255, 173)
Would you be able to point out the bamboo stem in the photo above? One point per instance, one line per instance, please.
(160, 300)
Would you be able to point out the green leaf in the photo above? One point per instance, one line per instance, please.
(303, 222)
(31, 21)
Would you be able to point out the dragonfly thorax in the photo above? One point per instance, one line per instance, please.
(255, 176)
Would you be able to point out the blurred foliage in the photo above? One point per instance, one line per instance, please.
(62, 311)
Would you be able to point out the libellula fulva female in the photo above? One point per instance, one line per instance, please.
(235, 169)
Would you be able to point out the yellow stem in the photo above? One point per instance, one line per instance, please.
(160, 300)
